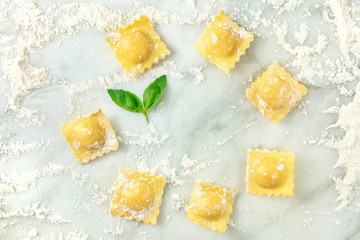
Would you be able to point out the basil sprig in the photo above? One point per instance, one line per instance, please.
(132, 103)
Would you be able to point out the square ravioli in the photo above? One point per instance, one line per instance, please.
(211, 206)
(275, 92)
(137, 46)
(223, 42)
(270, 173)
(90, 136)
(137, 196)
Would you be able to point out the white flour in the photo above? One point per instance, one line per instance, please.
(284, 5)
(144, 140)
(164, 169)
(10, 149)
(101, 195)
(13, 181)
(76, 235)
(198, 74)
(307, 66)
(349, 154)
(29, 18)
(238, 131)
(178, 202)
(347, 30)
(115, 230)
(32, 233)
(35, 210)
(302, 34)
(53, 169)
(33, 26)
(346, 68)
(79, 178)
(348, 147)
(187, 164)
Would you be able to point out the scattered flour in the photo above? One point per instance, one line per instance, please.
(332, 109)
(53, 169)
(178, 202)
(302, 34)
(228, 138)
(187, 164)
(58, 219)
(14, 149)
(101, 195)
(163, 169)
(349, 154)
(190, 166)
(308, 223)
(76, 235)
(62, 20)
(66, 20)
(145, 140)
(283, 5)
(32, 233)
(307, 66)
(347, 30)
(146, 143)
(33, 27)
(115, 230)
(35, 210)
(347, 69)
(198, 74)
(79, 178)
(13, 181)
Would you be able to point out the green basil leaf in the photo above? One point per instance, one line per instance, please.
(126, 100)
(153, 92)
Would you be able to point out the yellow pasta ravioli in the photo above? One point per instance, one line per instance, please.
(270, 173)
(223, 42)
(137, 196)
(90, 136)
(275, 92)
(211, 206)
(137, 46)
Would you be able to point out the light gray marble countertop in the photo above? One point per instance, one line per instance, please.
(211, 122)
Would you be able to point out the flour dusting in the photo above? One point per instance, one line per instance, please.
(348, 120)
(28, 26)
(349, 154)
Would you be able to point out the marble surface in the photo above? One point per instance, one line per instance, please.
(212, 122)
